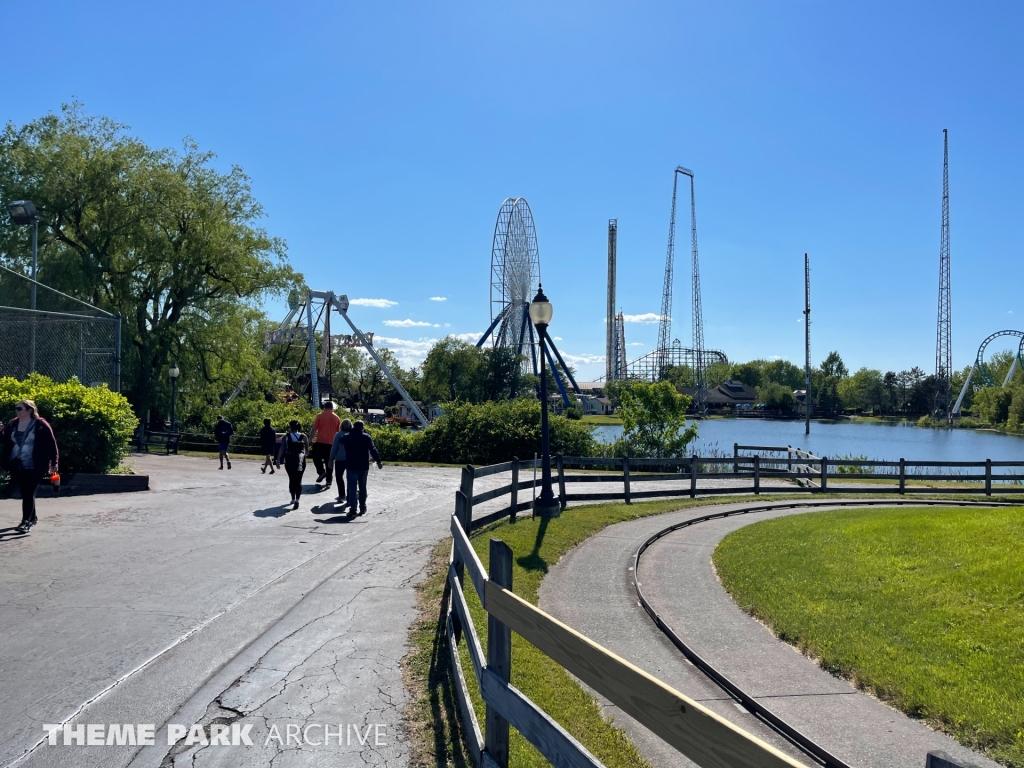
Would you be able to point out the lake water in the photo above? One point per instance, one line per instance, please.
(882, 442)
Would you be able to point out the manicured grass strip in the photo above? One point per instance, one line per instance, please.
(922, 607)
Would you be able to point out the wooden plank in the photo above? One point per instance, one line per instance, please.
(593, 496)
(561, 480)
(697, 732)
(943, 463)
(476, 652)
(468, 555)
(588, 461)
(493, 469)
(550, 739)
(774, 448)
(470, 724)
(514, 500)
(491, 517)
(466, 486)
(494, 493)
(499, 655)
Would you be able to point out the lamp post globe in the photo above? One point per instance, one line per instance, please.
(541, 313)
(174, 372)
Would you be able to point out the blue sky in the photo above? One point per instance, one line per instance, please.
(382, 139)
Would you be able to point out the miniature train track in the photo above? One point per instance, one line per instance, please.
(806, 745)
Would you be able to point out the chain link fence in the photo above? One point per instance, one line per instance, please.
(62, 338)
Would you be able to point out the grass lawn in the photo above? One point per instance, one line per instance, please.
(595, 419)
(432, 713)
(922, 607)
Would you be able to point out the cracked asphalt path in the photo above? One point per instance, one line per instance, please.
(679, 581)
(205, 600)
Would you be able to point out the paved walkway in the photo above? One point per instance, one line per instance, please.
(679, 581)
(205, 600)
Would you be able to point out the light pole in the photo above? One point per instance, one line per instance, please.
(174, 373)
(546, 504)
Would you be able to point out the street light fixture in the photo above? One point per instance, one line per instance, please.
(23, 213)
(174, 373)
(546, 504)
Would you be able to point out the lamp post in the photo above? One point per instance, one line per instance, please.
(23, 212)
(546, 504)
(174, 373)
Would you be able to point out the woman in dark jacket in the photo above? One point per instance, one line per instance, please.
(294, 448)
(268, 444)
(29, 453)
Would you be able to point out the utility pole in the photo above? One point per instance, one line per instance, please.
(610, 367)
(807, 345)
(943, 334)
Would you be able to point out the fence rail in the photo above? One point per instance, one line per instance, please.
(696, 732)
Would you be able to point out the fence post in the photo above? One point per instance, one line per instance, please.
(467, 482)
(625, 477)
(824, 474)
(757, 474)
(988, 477)
(735, 455)
(499, 653)
(515, 488)
(460, 569)
(694, 466)
(903, 475)
(561, 480)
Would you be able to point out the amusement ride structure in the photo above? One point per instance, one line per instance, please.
(515, 278)
(980, 367)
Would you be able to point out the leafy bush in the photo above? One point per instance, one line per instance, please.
(653, 420)
(93, 425)
(488, 433)
(247, 415)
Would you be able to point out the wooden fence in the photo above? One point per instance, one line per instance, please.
(809, 473)
(706, 738)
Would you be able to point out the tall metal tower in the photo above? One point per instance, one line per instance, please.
(943, 335)
(698, 313)
(610, 368)
(665, 325)
(807, 345)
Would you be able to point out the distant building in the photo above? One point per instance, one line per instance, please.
(596, 406)
(800, 396)
(430, 411)
(729, 394)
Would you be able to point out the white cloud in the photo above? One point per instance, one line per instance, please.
(647, 317)
(583, 359)
(439, 298)
(378, 303)
(471, 337)
(635, 344)
(411, 353)
(557, 338)
(409, 324)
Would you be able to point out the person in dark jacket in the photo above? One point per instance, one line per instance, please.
(268, 444)
(28, 451)
(294, 448)
(359, 448)
(336, 460)
(223, 431)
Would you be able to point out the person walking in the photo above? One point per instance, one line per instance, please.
(28, 451)
(325, 429)
(293, 455)
(223, 431)
(337, 458)
(268, 444)
(359, 448)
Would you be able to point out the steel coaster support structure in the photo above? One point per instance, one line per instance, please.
(610, 317)
(665, 323)
(979, 367)
(698, 313)
(943, 333)
(619, 349)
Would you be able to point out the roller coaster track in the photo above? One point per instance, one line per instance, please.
(810, 748)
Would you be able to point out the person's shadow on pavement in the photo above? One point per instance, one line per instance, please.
(277, 511)
(331, 508)
(11, 534)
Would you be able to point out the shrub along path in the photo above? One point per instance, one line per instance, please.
(680, 582)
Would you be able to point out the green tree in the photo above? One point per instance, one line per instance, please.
(654, 420)
(502, 371)
(862, 391)
(833, 366)
(783, 372)
(157, 235)
(776, 397)
(748, 373)
(992, 404)
(453, 370)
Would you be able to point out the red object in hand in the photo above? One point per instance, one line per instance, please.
(55, 482)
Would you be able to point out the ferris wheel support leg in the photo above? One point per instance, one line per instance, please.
(575, 386)
(487, 333)
(522, 328)
(554, 372)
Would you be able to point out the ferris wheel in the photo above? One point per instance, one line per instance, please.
(515, 275)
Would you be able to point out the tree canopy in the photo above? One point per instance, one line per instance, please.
(160, 236)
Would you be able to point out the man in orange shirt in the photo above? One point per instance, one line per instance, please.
(325, 427)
